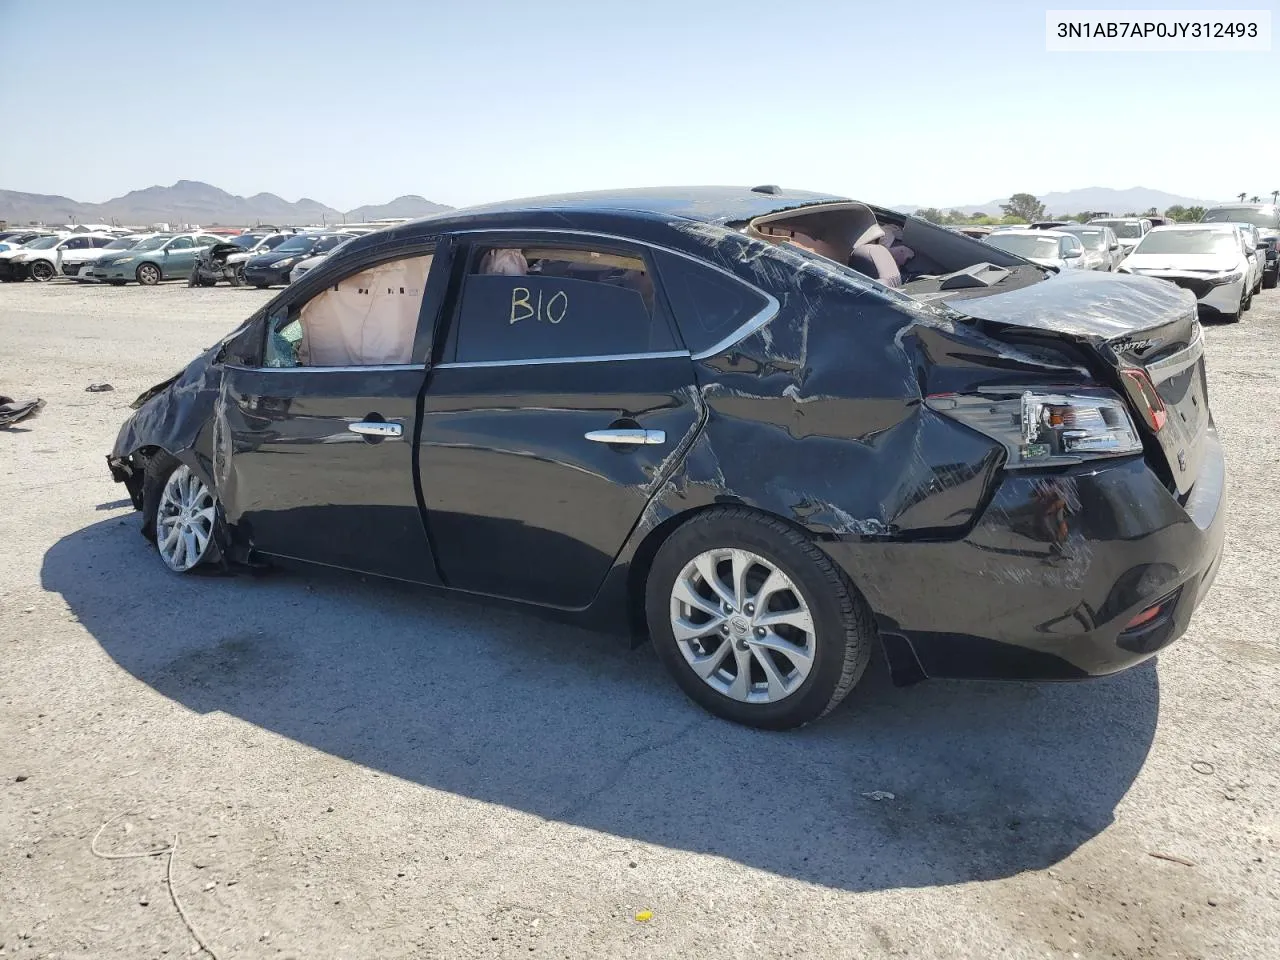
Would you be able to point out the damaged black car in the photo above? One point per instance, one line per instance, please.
(766, 429)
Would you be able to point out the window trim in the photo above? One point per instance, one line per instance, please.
(748, 327)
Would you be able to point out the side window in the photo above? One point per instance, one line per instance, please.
(272, 242)
(208, 241)
(542, 303)
(182, 243)
(364, 319)
(99, 241)
(75, 243)
(709, 305)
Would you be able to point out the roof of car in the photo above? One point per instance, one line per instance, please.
(708, 204)
(1245, 206)
(1220, 226)
(1027, 232)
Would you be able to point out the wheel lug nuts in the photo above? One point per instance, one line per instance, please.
(724, 628)
(761, 631)
(751, 608)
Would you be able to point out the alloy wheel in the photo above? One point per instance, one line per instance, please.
(743, 625)
(184, 520)
(41, 271)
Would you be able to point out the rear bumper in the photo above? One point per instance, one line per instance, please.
(1047, 582)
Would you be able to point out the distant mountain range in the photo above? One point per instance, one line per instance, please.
(1088, 198)
(190, 201)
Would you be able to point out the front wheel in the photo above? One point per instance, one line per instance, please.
(184, 514)
(754, 621)
(41, 271)
(148, 274)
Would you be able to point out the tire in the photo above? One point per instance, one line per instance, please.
(1269, 280)
(741, 543)
(1247, 302)
(180, 515)
(237, 277)
(148, 274)
(260, 286)
(41, 271)
(117, 283)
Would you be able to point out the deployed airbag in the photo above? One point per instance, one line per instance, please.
(367, 318)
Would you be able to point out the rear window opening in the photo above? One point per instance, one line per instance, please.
(916, 257)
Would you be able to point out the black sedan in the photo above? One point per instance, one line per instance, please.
(272, 268)
(682, 414)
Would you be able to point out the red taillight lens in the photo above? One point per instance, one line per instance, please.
(1146, 616)
(1144, 395)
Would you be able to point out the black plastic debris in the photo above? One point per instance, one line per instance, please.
(98, 388)
(11, 410)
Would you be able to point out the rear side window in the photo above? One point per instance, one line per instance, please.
(182, 243)
(709, 305)
(537, 302)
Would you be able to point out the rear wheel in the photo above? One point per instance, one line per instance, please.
(41, 271)
(756, 623)
(237, 277)
(148, 274)
(1269, 279)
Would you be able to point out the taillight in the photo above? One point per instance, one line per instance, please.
(1145, 397)
(1046, 429)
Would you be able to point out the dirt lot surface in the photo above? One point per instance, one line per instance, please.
(357, 769)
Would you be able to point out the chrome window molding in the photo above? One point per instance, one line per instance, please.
(367, 368)
(543, 361)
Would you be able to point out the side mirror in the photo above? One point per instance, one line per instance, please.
(1071, 254)
(1116, 245)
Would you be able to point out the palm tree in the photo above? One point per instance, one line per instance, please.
(1274, 194)
(1241, 196)
(1255, 199)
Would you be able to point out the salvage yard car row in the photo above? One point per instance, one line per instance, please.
(1224, 260)
(262, 259)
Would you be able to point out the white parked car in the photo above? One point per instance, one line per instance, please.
(1049, 248)
(11, 268)
(78, 264)
(1210, 260)
(1102, 251)
(1128, 230)
(46, 263)
(1257, 253)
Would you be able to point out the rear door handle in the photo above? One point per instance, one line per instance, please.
(376, 428)
(639, 437)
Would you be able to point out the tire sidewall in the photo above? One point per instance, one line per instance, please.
(813, 697)
(158, 471)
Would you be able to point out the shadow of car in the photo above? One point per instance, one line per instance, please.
(989, 779)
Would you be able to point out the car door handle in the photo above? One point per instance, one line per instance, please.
(627, 436)
(376, 428)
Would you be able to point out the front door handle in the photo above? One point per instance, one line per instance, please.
(376, 428)
(639, 437)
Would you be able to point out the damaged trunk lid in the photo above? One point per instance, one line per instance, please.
(1140, 333)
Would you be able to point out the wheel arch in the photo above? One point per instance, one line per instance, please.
(641, 561)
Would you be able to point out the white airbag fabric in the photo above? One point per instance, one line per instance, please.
(367, 318)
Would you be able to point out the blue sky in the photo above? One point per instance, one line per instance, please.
(348, 103)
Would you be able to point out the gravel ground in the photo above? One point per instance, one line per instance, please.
(355, 768)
